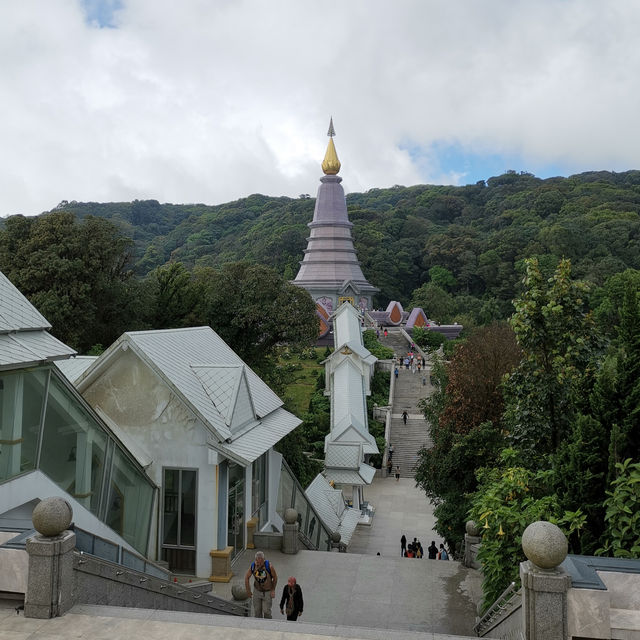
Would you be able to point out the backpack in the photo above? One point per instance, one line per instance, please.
(266, 566)
(443, 554)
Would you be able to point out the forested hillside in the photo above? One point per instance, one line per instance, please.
(457, 251)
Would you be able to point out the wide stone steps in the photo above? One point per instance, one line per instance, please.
(408, 439)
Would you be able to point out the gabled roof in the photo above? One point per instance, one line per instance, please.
(24, 340)
(74, 367)
(25, 348)
(361, 476)
(16, 312)
(250, 445)
(190, 361)
(346, 324)
(355, 347)
(329, 505)
(348, 433)
(346, 455)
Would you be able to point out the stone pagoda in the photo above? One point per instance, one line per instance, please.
(330, 270)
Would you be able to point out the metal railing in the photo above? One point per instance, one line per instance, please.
(508, 601)
(94, 545)
(298, 494)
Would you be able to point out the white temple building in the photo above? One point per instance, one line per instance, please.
(348, 445)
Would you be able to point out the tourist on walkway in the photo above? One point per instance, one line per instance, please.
(398, 473)
(385, 333)
(432, 550)
(292, 598)
(395, 372)
(403, 545)
(389, 468)
(443, 555)
(265, 580)
(405, 415)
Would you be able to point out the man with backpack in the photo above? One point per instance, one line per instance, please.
(265, 580)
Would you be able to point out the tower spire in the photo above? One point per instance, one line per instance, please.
(332, 131)
(331, 164)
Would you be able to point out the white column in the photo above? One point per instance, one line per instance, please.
(84, 450)
(355, 496)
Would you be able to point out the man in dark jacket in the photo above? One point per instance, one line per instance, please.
(292, 598)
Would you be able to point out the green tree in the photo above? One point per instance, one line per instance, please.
(254, 310)
(435, 301)
(623, 513)
(75, 273)
(177, 297)
(442, 277)
(555, 330)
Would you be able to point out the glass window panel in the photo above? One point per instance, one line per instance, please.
(302, 507)
(259, 489)
(171, 504)
(132, 561)
(285, 492)
(105, 549)
(73, 446)
(21, 397)
(129, 502)
(188, 510)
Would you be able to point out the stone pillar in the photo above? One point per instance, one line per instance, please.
(251, 529)
(50, 585)
(472, 539)
(544, 583)
(221, 565)
(290, 530)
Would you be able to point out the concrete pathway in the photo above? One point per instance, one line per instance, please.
(352, 595)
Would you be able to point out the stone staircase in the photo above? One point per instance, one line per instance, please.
(407, 439)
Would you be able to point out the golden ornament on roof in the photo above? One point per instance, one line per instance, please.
(331, 164)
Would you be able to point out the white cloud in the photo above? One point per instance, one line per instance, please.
(200, 101)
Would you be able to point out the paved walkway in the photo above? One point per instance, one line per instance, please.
(350, 595)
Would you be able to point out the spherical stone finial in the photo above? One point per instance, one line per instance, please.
(52, 516)
(239, 592)
(335, 537)
(290, 516)
(544, 544)
(472, 528)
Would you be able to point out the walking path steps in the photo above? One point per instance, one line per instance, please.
(407, 439)
(354, 595)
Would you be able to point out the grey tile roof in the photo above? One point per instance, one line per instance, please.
(343, 455)
(176, 351)
(16, 312)
(30, 347)
(244, 416)
(73, 368)
(271, 429)
(328, 503)
(363, 475)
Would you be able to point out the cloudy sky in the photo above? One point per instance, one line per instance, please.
(212, 100)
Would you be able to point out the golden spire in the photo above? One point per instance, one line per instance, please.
(331, 164)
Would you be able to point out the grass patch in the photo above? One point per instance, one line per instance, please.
(305, 369)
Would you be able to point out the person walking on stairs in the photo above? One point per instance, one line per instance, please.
(442, 554)
(403, 545)
(432, 550)
(265, 580)
(398, 473)
(292, 598)
(405, 415)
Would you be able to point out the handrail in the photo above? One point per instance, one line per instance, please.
(113, 552)
(505, 603)
(299, 488)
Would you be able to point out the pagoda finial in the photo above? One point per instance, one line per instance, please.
(332, 131)
(331, 164)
